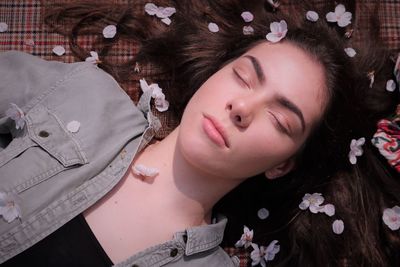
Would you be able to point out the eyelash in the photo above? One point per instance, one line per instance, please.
(237, 75)
(279, 125)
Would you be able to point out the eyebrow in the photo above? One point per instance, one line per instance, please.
(257, 67)
(282, 100)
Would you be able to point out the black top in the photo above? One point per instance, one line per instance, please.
(74, 244)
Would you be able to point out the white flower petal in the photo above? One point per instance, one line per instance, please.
(350, 51)
(331, 17)
(246, 238)
(109, 31)
(3, 27)
(73, 126)
(338, 227)
(343, 22)
(142, 170)
(161, 104)
(144, 85)
(273, 38)
(94, 58)
(59, 50)
(352, 158)
(9, 206)
(329, 210)
(263, 213)
(304, 205)
(257, 255)
(312, 16)
(165, 12)
(272, 249)
(283, 25)
(151, 9)
(248, 30)
(340, 10)
(315, 209)
(390, 86)
(360, 142)
(17, 115)
(166, 21)
(391, 217)
(247, 16)
(212, 27)
(274, 27)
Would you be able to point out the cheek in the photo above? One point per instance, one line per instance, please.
(265, 148)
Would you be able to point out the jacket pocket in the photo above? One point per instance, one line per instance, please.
(45, 149)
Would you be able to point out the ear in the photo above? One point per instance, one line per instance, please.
(280, 169)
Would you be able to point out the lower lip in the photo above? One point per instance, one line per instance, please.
(212, 133)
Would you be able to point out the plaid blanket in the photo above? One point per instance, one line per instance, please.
(26, 32)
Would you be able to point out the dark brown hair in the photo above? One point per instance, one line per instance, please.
(185, 54)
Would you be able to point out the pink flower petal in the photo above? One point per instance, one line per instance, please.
(338, 227)
(339, 10)
(247, 16)
(212, 27)
(331, 17)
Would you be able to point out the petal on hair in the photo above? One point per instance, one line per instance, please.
(274, 27)
(338, 227)
(350, 51)
(339, 10)
(390, 86)
(331, 17)
(304, 205)
(248, 30)
(166, 21)
(151, 9)
(212, 27)
(272, 37)
(263, 213)
(329, 210)
(345, 20)
(165, 12)
(391, 217)
(247, 16)
(312, 16)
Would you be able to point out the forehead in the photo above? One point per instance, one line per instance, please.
(291, 72)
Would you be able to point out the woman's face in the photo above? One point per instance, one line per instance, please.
(253, 114)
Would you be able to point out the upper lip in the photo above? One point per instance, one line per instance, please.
(220, 128)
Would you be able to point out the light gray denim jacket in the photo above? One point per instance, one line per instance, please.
(80, 134)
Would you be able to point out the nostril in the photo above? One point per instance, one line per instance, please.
(229, 107)
(238, 118)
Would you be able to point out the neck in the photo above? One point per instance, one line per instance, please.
(189, 192)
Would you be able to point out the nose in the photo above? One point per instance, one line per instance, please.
(241, 111)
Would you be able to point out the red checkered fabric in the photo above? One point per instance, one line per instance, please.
(26, 32)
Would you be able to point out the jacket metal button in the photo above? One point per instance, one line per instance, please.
(44, 134)
(173, 252)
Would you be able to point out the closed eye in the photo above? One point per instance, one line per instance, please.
(240, 78)
(279, 125)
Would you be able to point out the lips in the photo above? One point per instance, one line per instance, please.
(215, 131)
